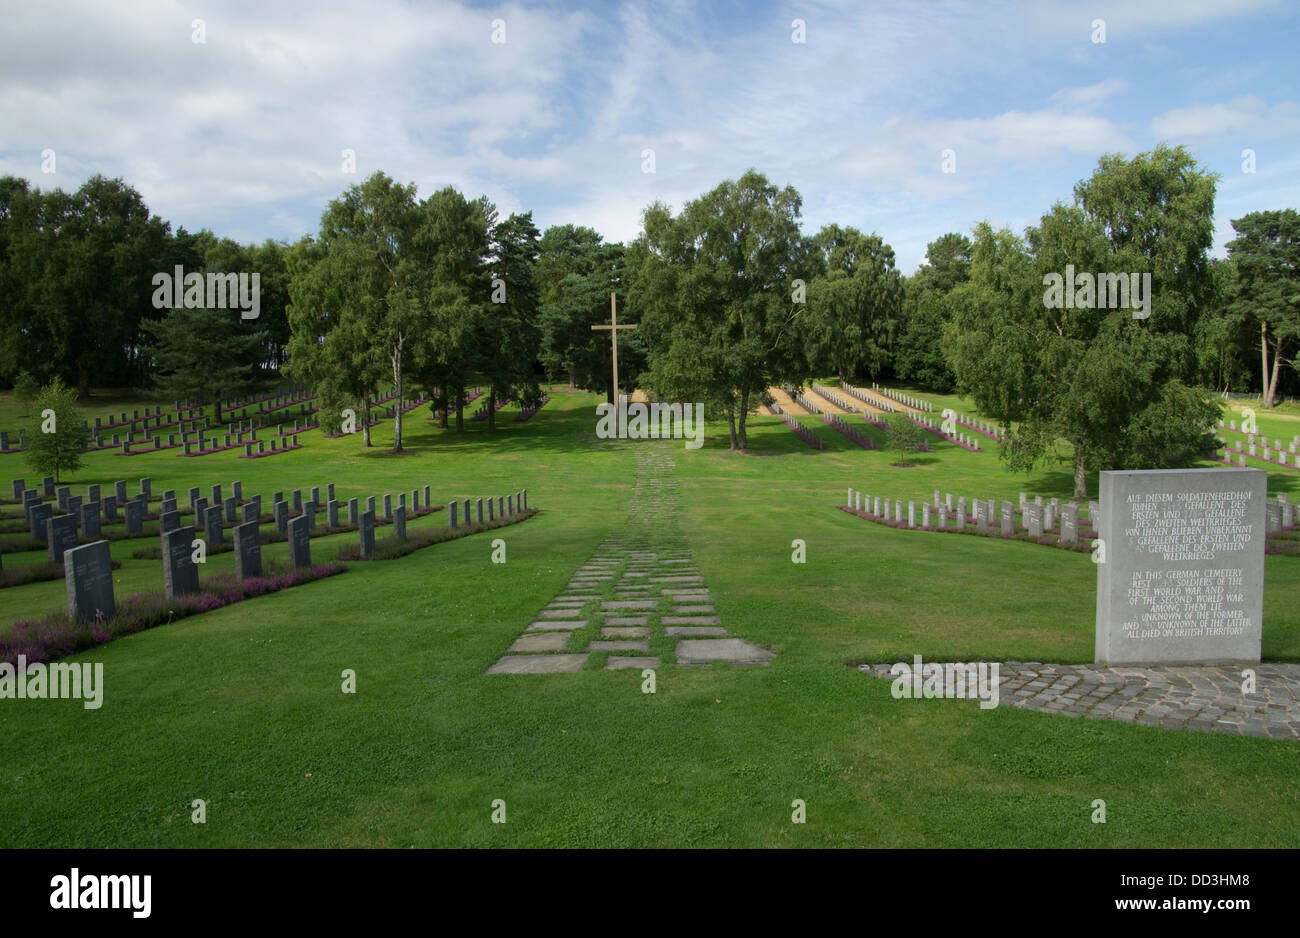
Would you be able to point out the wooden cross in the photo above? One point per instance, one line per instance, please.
(613, 328)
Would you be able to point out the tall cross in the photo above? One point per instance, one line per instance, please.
(613, 328)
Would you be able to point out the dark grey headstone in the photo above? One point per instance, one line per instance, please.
(63, 494)
(110, 507)
(329, 492)
(309, 510)
(169, 521)
(1183, 577)
(248, 550)
(119, 489)
(501, 506)
(523, 500)
(212, 527)
(180, 573)
(370, 504)
(479, 510)
(464, 515)
(428, 498)
(452, 508)
(134, 511)
(38, 520)
(73, 507)
(194, 496)
(90, 520)
(297, 501)
(332, 509)
(62, 536)
(299, 542)
(248, 512)
(237, 489)
(492, 507)
(216, 494)
(146, 486)
(353, 513)
(911, 510)
(282, 517)
(200, 511)
(367, 529)
(19, 486)
(92, 493)
(388, 508)
(47, 484)
(399, 522)
(231, 506)
(88, 574)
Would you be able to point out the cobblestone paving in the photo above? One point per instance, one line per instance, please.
(640, 587)
(1172, 697)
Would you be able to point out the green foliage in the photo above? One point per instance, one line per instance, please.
(712, 288)
(205, 354)
(853, 304)
(56, 439)
(26, 387)
(1266, 252)
(1112, 386)
(903, 435)
(918, 350)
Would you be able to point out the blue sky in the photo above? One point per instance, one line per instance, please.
(244, 132)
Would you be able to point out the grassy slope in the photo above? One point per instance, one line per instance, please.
(242, 707)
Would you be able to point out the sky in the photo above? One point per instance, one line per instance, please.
(553, 107)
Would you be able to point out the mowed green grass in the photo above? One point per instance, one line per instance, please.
(243, 707)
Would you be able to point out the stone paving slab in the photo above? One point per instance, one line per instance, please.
(629, 604)
(618, 646)
(556, 624)
(626, 620)
(627, 662)
(692, 610)
(566, 613)
(1205, 697)
(695, 631)
(541, 641)
(621, 632)
(538, 664)
(707, 650)
(690, 620)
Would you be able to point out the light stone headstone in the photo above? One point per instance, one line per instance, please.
(925, 513)
(943, 517)
(88, 574)
(1070, 524)
(1008, 519)
(1183, 577)
(1033, 519)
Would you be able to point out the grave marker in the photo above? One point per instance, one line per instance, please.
(180, 574)
(61, 536)
(1183, 581)
(248, 551)
(90, 521)
(299, 542)
(88, 574)
(367, 529)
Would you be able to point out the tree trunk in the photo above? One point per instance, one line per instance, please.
(397, 383)
(446, 407)
(572, 385)
(1272, 384)
(365, 420)
(460, 408)
(744, 413)
(1080, 476)
(1263, 354)
(731, 426)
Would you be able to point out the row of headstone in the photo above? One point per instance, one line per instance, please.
(868, 398)
(914, 402)
(1038, 518)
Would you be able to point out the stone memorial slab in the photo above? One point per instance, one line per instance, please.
(110, 507)
(90, 521)
(1070, 524)
(354, 512)
(61, 536)
(1183, 578)
(180, 573)
(212, 528)
(399, 522)
(388, 507)
(452, 508)
(19, 486)
(169, 521)
(248, 551)
(134, 511)
(47, 485)
(299, 542)
(332, 513)
(367, 531)
(231, 507)
(282, 517)
(1008, 518)
(88, 575)
(1033, 518)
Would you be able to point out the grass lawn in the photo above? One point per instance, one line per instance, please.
(242, 707)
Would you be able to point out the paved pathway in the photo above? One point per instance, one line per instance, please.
(1173, 697)
(639, 587)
